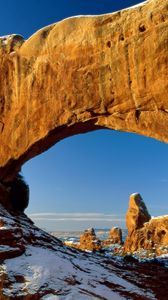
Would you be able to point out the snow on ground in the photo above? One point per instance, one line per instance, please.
(53, 271)
(78, 277)
(42, 267)
(4, 248)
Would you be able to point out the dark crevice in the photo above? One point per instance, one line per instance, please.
(142, 28)
(94, 114)
(137, 115)
(121, 37)
(164, 110)
(109, 44)
(1, 127)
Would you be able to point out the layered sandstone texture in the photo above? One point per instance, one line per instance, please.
(81, 74)
(145, 232)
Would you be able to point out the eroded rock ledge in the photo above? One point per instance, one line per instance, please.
(83, 74)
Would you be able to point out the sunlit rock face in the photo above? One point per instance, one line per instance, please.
(89, 241)
(145, 232)
(114, 237)
(83, 74)
(137, 213)
(75, 76)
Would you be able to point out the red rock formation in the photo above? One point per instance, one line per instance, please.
(157, 230)
(114, 237)
(115, 76)
(137, 213)
(89, 241)
(144, 232)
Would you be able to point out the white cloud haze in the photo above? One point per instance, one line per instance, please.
(55, 217)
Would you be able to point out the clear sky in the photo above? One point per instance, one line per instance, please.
(86, 180)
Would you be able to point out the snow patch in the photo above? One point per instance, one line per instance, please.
(4, 248)
(134, 194)
(75, 277)
(50, 297)
(159, 217)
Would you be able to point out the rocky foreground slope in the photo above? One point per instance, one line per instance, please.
(34, 265)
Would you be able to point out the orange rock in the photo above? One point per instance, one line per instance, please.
(156, 234)
(144, 232)
(89, 241)
(2, 222)
(82, 74)
(78, 75)
(137, 213)
(114, 237)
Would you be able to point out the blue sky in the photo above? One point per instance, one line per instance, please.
(86, 180)
(93, 175)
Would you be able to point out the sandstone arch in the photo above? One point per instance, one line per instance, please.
(78, 75)
(83, 74)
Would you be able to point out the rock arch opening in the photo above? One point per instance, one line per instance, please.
(95, 173)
